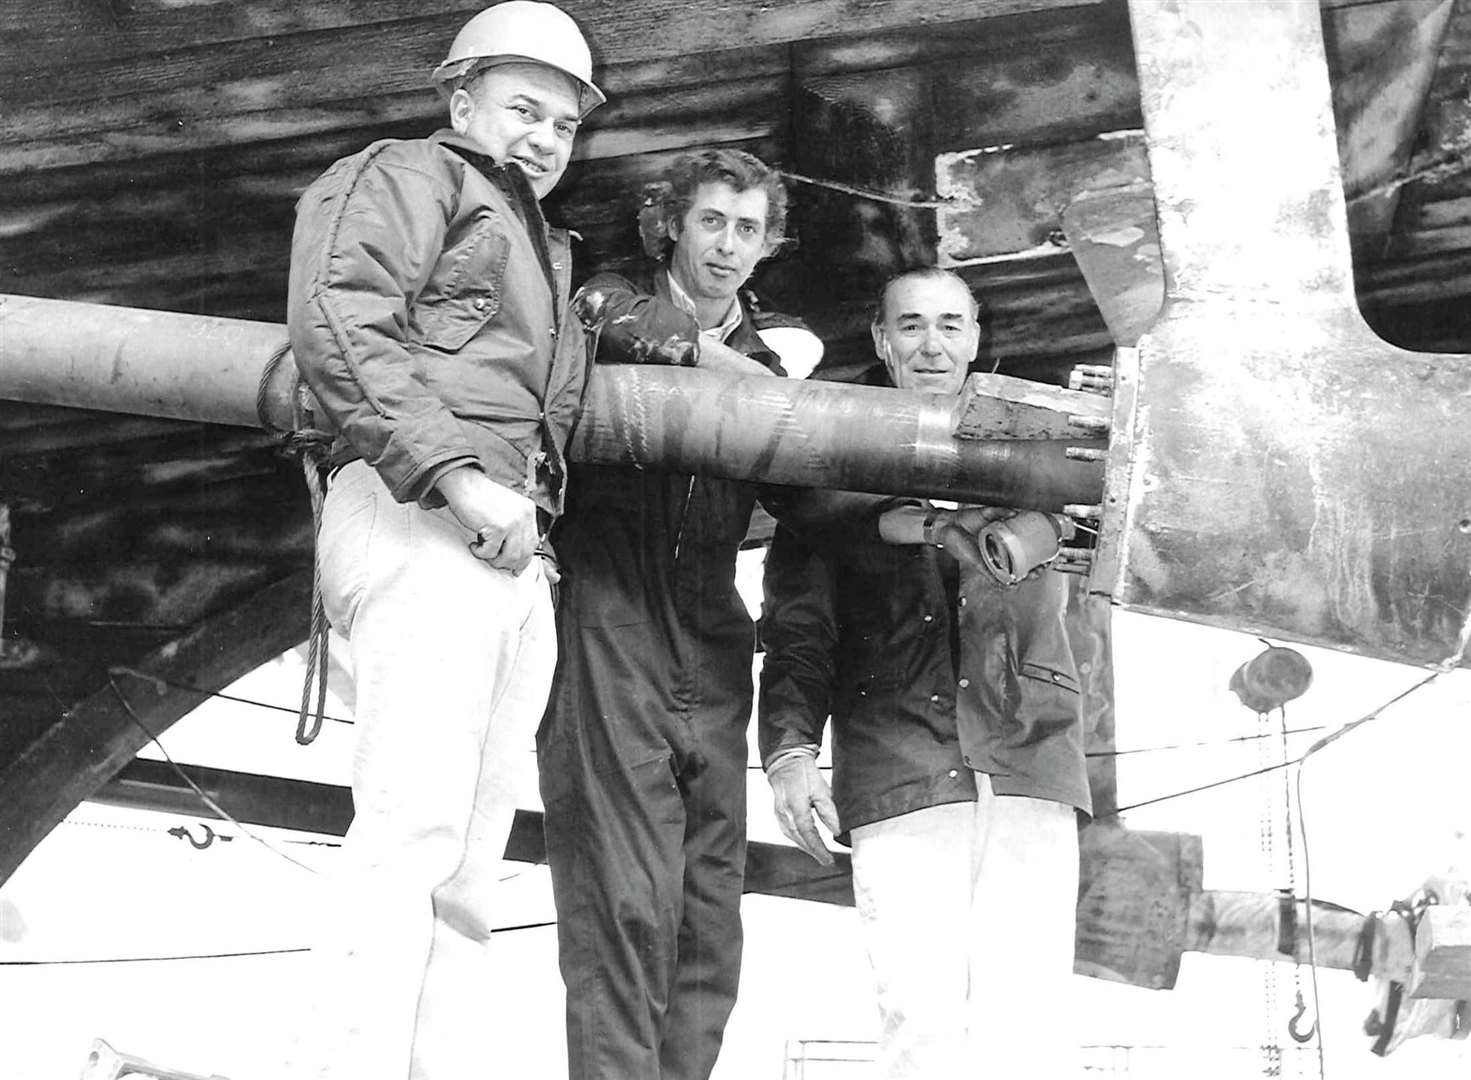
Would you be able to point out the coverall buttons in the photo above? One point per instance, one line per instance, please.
(953, 774)
(934, 697)
(929, 618)
(480, 303)
(556, 266)
(962, 601)
(964, 683)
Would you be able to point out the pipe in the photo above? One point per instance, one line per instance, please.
(808, 434)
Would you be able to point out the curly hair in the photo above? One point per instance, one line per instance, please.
(742, 171)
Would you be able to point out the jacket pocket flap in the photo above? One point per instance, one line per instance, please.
(469, 294)
(1046, 674)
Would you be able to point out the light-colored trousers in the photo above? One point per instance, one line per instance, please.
(968, 911)
(452, 662)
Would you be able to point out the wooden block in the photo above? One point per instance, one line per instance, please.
(1134, 899)
(1443, 953)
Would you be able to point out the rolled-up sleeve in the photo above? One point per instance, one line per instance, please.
(635, 327)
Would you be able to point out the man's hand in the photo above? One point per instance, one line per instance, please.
(504, 521)
(799, 789)
(717, 356)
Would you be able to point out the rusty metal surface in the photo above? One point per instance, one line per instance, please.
(1282, 469)
(1113, 236)
(818, 434)
(783, 431)
(1010, 200)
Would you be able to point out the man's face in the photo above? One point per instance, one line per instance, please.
(929, 334)
(526, 113)
(719, 242)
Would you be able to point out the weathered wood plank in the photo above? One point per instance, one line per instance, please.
(70, 430)
(750, 92)
(66, 33)
(1044, 77)
(89, 741)
(108, 478)
(1443, 951)
(1134, 897)
(408, 49)
(1381, 61)
(1406, 282)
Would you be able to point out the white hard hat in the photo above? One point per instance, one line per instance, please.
(521, 30)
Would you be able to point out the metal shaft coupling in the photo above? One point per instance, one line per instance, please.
(1013, 547)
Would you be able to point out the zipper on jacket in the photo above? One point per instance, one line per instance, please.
(684, 509)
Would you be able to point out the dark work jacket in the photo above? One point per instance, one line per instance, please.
(648, 596)
(426, 310)
(927, 671)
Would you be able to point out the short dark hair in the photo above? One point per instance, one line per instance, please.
(923, 273)
(718, 165)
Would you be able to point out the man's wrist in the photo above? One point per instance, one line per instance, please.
(929, 531)
(453, 479)
(790, 753)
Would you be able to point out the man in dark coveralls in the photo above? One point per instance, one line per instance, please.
(643, 750)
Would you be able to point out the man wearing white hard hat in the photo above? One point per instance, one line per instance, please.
(427, 311)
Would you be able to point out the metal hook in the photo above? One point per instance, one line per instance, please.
(1301, 1036)
(183, 833)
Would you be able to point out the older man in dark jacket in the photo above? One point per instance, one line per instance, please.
(957, 748)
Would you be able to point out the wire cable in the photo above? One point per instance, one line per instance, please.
(1307, 865)
(222, 955)
(1156, 749)
(203, 796)
(1326, 740)
(152, 959)
(875, 195)
(175, 684)
(1307, 891)
(1191, 791)
(1202, 743)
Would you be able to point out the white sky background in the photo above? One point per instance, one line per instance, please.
(1387, 807)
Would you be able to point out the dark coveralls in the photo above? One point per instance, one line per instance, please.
(642, 753)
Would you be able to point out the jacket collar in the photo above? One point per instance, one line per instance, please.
(514, 184)
(509, 179)
(743, 338)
